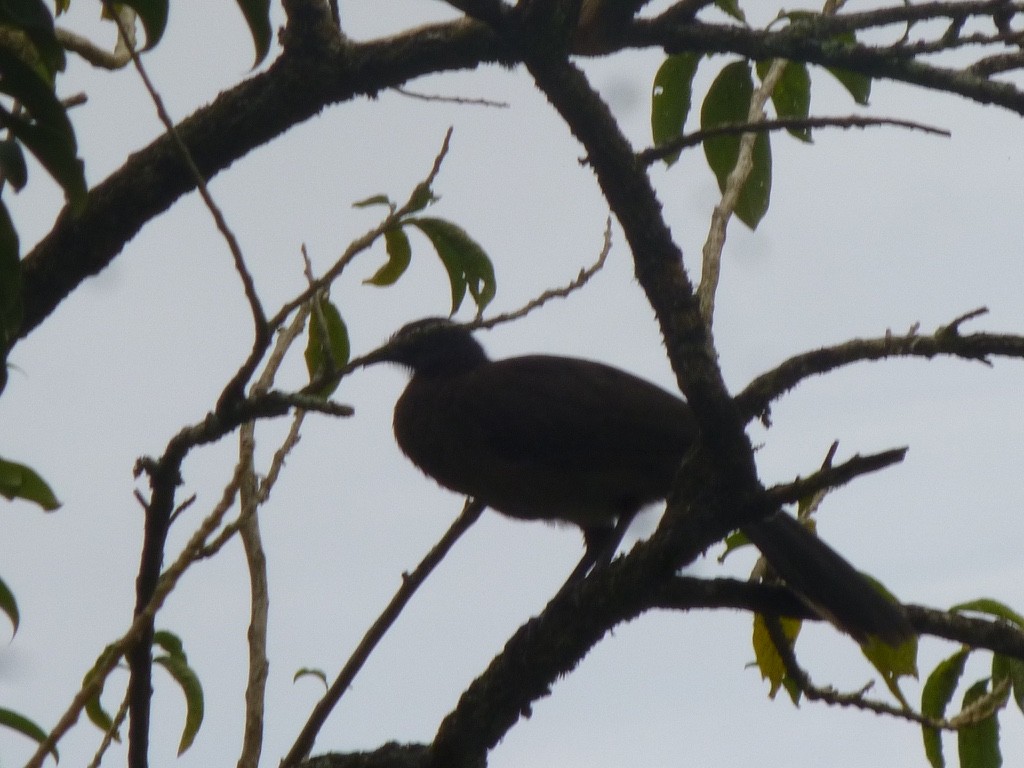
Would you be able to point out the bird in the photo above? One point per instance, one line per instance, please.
(563, 439)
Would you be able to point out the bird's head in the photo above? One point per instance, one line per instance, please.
(432, 346)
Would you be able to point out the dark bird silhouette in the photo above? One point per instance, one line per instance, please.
(562, 439)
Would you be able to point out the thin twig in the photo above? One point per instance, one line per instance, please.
(972, 715)
(261, 329)
(829, 477)
(556, 293)
(461, 100)
(252, 494)
(685, 141)
(410, 583)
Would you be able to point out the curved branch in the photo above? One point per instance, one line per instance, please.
(754, 400)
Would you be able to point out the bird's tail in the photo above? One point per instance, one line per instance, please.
(831, 586)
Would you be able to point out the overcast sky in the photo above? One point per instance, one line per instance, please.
(867, 231)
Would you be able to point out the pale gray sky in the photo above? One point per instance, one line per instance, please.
(867, 230)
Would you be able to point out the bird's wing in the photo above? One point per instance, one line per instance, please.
(566, 412)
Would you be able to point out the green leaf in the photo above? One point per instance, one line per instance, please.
(856, 84)
(12, 164)
(991, 607)
(728, 101)
(9, 605)
(20, 482)
(27, 27)
(10, 288)
(45, 128)
(1008, 668)
(420, 198)
(310, 672)
(93, 707)
(731, 7)
(792, 94)
(935, 697)
(328, 348)
(170, 642)
(891, 663)
(257, 16)
(25, 727)
(153, 14)
(466, 262)
(399, 256)
(671, 96)
(979, 744)
(192, 689)
(374, 200)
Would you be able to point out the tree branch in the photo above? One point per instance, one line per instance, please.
(754, 400)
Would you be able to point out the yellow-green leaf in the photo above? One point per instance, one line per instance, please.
(399, 256)
(20, 482)
(328, 348)
(767, 657)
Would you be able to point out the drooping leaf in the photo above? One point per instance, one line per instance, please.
(792, 94)
(8, 605)
(43, 127)
(24, 726)
(935, 697)
(26, 27)
(257, 16)
(671, 96)
(12, 164)
(891, 663)
(328, 348)
(728, 101)
(10, 288)
(192, 689)
(767, 656)
(1009, 668)
(856, 84)
(978, 745)
(20, 482)
(467, 263)
(310, 672)
(94, 710)
(153, 15)
(399, 256)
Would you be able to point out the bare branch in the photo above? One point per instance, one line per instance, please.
(410, 583)
(754, 400)
(685, 141)
(556, 293)
(834, 476)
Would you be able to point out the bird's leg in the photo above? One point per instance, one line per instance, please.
(601, 544)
